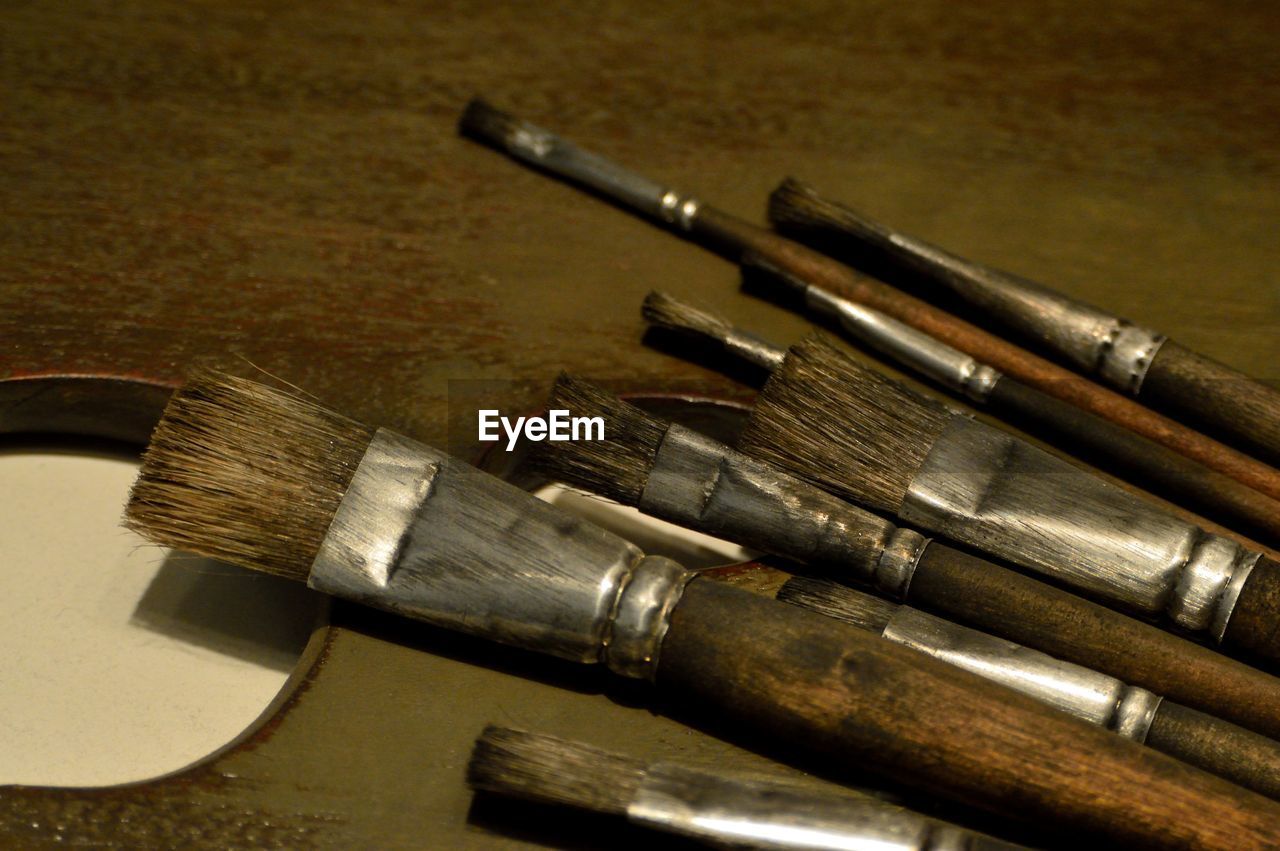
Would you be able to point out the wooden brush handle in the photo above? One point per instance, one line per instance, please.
(1144, 462)
(867, 702)
(1244, 758)
(994, 599)
(1243, 410)
(1255, 621)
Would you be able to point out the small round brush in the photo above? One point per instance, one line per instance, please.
(238, 471)
(752, 811)
(828, 419)
(677, 475)
(1197, 738)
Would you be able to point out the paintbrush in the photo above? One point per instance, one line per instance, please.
(272, 482)
(732, 237)
(722, 809)
(1124, 453)
(1129, 357)
(1198, 738)
(676, 474)
(826, 418)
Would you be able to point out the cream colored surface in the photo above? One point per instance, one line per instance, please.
(120, 661)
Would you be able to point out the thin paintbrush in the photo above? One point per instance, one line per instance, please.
(1134, 359)
(828, 419)
(719, 808)
(272, 482)
(1124, 453)
(732, 237)
(1246, 758)
(676, 474)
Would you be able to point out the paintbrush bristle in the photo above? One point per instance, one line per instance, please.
(837, 601)
(486, 123)
(618, 466)
(554, 770)
(672, 314)
(796, 207)
(244, 473)
(827, 419)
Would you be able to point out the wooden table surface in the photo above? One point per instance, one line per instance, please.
(187, 182)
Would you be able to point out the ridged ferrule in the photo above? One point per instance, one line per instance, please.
(988, 489)
(424, 535)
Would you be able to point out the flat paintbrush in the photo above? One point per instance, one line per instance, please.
(1129, 357)
(1124, 453)
(1198, 738)
(671, 472)
(828, 419)
(716, 807)
(732, 237)
(269, 481)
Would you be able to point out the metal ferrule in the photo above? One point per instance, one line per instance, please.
(754, 350)
(1086, 694)
(916, 350)
(758, 813)
(1093, 340)
(702, 484)
(544, 149)
(424, 535)
(988, 489)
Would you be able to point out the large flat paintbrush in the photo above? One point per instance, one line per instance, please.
(676, 474)
(828, 419)
(719, 808)
(1198, 738)
(266, 480)
(733, 237)
(1122, 452)
(1134, 359)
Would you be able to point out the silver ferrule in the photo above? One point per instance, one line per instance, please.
(988, 489)
(914, 349)
(1093, 340)
(898, 561)
(544, 149)
(1088, 695)
(754, 350)
(702, 484)
(763, 813)
(424, 535)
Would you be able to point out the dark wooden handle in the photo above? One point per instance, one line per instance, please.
(1240, 409)
(1226, 750)
(812, 681)
(1136, 459)
(994, 599)
(1254, 626)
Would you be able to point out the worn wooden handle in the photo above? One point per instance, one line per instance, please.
(1135, 458)
(1242, 410)
(810, 680)
(994, 599)
(1254, 626)
(1224, 749)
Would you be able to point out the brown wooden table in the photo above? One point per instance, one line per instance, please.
(184, 182)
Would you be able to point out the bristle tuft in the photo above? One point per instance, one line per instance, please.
(554, 770)
(837, 601)
(616, 467)
(672, 314)
(797, 208)
(244, 473)
(827, 419)
(486, 123)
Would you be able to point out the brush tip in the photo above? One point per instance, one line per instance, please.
(666, 311)
(486, 123)
(553, 770)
